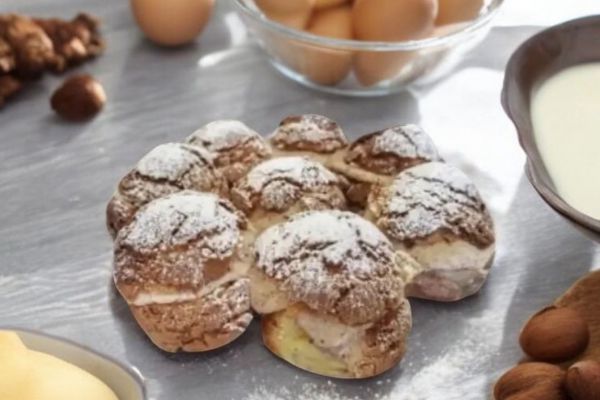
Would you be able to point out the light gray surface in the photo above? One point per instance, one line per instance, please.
(55, 254)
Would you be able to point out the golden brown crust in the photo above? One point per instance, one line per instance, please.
(167, 169)
(235, 147)
(174, 240)
(335, 262)
(366, 352)
(278, 188)
(180, 265)
(200, 324)
(309, 132)
(428, 200)
(391, 151)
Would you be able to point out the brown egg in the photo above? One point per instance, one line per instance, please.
(292, 13)
(453, 11)
(321, 4)
(172, 22)
(327, 66)
(390, 21)
(393, 20)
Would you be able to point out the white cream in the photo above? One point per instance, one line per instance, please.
(566, 120)
(327, 333)
(147, 298)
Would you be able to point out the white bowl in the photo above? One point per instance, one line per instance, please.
(125, 381)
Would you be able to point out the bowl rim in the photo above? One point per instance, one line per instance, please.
(347, 44)
(536, 171)
(130, 370)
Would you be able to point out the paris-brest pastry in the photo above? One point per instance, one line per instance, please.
(181, 267)
(234, 147)
(324, 240)
(330, 295)
(166, 169)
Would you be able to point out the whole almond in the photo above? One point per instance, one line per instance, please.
(583, 380)
(531, 381)
(555, 334)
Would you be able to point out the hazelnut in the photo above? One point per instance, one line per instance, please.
(80, 97)
(583, 380)
(555, 334)
(531, 381)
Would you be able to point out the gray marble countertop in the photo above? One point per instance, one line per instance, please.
(55, 178)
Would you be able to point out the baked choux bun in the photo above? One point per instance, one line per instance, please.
(377, 157)
(181, 266)
(166, 169)
(235, 147)
(330, 294)
(309, 135)
(280, 187)
(434, 213)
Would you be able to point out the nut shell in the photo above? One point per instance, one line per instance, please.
(555, 334)
(531, 381)
(583, 380)
(79, 98)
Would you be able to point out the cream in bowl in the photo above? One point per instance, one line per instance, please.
(565, 114)
(549, 95)
(35, 366)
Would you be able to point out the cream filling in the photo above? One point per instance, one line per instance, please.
(238, 270)
(457, 255)
(265, 296)
(327, 333)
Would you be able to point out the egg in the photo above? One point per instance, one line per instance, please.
(319, 64)
(172, 22)
(292, 13)
(453, 11)
(389, 21)
(321, 4)
(393, 20)
(328, 66)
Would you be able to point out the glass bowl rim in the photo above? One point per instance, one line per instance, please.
(457, 36)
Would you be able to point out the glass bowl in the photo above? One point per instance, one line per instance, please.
(363, 68)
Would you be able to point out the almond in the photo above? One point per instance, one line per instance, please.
(555, 334)
(583, 380)
(531, 381)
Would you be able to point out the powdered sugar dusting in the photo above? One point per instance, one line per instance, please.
(279, 182)
(181, 217)
(406, 141)
(321, 256)
(309, 132)
(300, 170)
(170, 161)
(222, 135)
(454, 375)
(435, 197)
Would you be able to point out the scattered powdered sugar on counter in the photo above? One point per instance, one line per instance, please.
(451, 376)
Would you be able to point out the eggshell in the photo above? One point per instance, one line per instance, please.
(393, 20)
(389, 21)
(292, 13)
(172, 22)
(321, 65)
(453, 11)
(372, 67)
(328, 66)
(321, 4)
